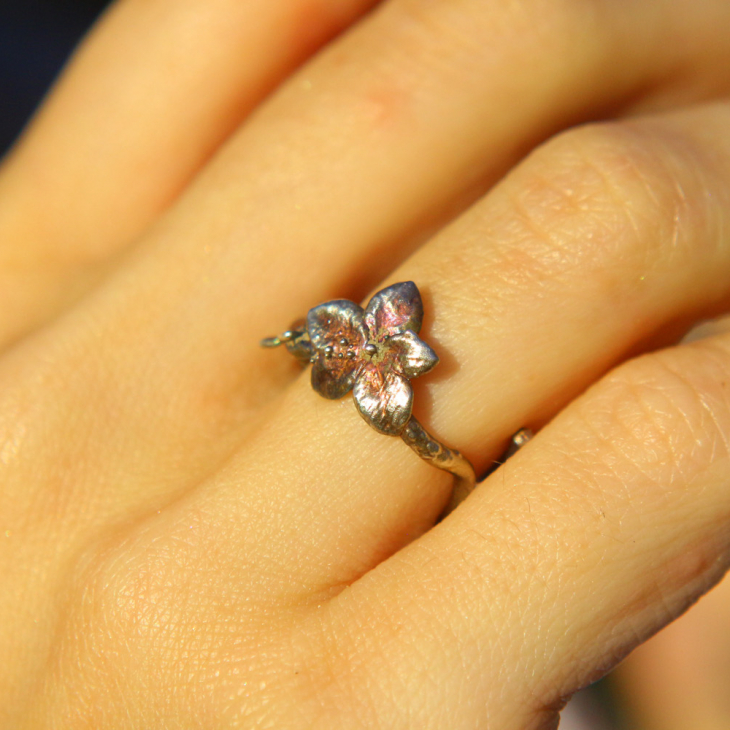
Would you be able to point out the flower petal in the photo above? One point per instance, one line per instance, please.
(393, 310)
(332, 377)
(335, 320)
(383, 399)
(413, 355)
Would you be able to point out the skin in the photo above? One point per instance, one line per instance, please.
(192, 538)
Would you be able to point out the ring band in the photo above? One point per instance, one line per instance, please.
(375, 352)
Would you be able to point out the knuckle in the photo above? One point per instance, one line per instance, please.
(593, 213)
(138, 621)
(128, 608)
(601, 198)
(153, 610)
(668, 413)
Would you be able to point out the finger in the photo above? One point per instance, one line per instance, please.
(147, 99)
(656, 690)
(679, 678)
(605, 528)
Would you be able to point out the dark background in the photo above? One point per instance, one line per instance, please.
(36, 37)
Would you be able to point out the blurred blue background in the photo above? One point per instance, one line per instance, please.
(36, 37)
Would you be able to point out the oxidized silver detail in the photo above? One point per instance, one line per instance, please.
(373, 351)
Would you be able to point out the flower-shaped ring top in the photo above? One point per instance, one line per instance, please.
(373, 352)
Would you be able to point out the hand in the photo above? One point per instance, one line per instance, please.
(191, 536)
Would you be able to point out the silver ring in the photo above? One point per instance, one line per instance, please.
(375, 352)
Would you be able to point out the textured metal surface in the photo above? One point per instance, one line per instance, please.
(440, 455)
(375, 352)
